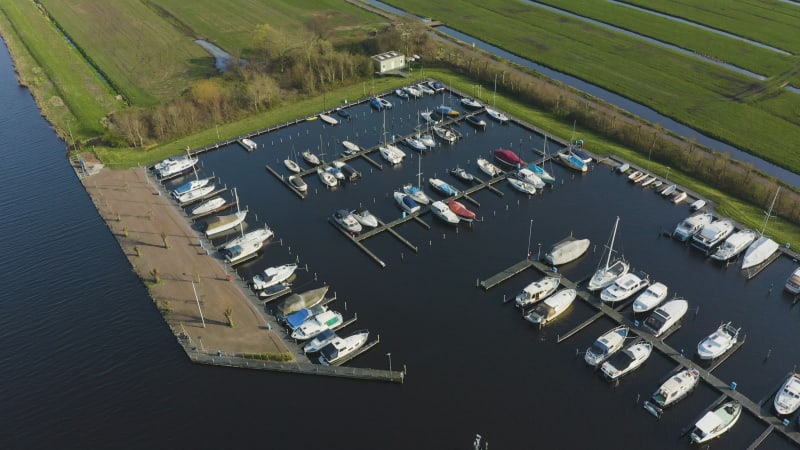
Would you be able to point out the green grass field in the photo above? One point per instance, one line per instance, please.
(146, 56)
(718, 101)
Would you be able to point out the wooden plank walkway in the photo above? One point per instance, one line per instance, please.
(505, 274)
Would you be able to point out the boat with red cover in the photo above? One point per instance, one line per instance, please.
(509, 158)
(461, 211)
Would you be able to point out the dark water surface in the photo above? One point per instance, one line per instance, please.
(89, 363)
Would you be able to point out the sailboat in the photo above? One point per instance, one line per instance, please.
(390, 152)
(493, 113)
(611, 271)
(539, 170)
(760, 250)
(416, 192)
(218, 224)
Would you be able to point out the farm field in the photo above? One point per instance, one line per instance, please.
(720, 102)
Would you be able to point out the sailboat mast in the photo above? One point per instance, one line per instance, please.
(769, 213)
(611, 248)
(419, 172)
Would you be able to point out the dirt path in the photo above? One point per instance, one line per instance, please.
(137, 216)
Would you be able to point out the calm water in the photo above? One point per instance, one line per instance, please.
(89, 363)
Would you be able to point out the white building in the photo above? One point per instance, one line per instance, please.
(389, 61)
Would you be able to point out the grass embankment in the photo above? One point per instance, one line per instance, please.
(67, 90)
(677, 85)
(146, 56)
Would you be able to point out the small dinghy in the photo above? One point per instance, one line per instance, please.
(488, 168)
(462, 175)
(365, 218)
(297, 182)
(310, 158)
(291, 165)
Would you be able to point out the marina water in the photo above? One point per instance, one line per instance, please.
(89, 363)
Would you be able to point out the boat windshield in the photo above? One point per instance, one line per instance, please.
(598, 348)
(656, 321)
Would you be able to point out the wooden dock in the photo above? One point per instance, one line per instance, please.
(505, 274)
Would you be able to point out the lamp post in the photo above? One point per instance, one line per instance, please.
(390, 364)
(667, 177)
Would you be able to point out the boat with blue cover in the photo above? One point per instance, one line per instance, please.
(406, 202)
(443, 187)
(319, 341)
(297, 318)
(191, 186)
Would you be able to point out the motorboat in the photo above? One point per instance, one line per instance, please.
(697, 204)
(195, 195)
(667, 191)
(792, 285)
(622, 168)
(627, 360)
(787, 400)
(272, 276)
(537, 290)
(718, 342)
(434, 86)
(208, 206)
(675, 389)
(274, 291)
(242, 252)
(291, 165)
(417, 194)
(647, 181)
(552, 307)
(624, 287)
(310, 158)
(714, 423)
(174, 167)
(347, 221)
(328, 179)
(476, 121)
(191, 186)
(406, 202)
(445, 134)
(678, 197)
(413, 91)
(415, 144)
(471, 103)
(427, 116)
(219, 224)
(351, 148)
(691, 225)
(443, 212)
(566, 251)
(349, 172)
(509, 158)
(734, 244)
(445, 110)
(612, 270)
(496, 115)
(335, 171)
(332, 121)
(257, 235)
(297, 182)
(296, 302)
(297, 318)
(365, 218)
(462, 175)
(391, 153)
(488, 168)
(712, 235)
(319, 341)
(426, 139)
(401, 93)
(635, 175)
(427, 90)
(327, 320)
(542, 174)
(665, 316)
(529, 176)
(339, 348)
(167, 161)
(581, 153)
(343, 113)
(650, 298)
(443, 187)
(572, 161)
(380, 103)
(461, 210)
(522, 186)
(759, 251)
(606, 345)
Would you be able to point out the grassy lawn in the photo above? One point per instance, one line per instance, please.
(691, 91)
(70, 90)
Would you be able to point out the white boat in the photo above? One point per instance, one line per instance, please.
(190, 186)
(405, 202)
(327, 320)
(650, 298)
(678, 197)
(611, 271)
(496, 115)
(622, 168)
(328, 179)
(335, 171)
(413, 92)
(242, 252)
(567, 251)
(298, 183)
(427, 139)
(427, 116)
(273, 276)
(787, 400)
(669, 190)
(718, 342)
(572, 161)
(291, 165)
(734, 244)
(462, 175)
(319, 341)
(443, 187)
(697, 204)
(712, 234)
(339, 348)
(415, 144)
(488, 168)
(635, 176)
(365, 218)
(627, 360)
(347, 221)
(391, 153)
(433, 85)
(470, 103)
(715, 423)
(208, 206)
(172, 167)
(348, 171)
(425, 89)
(537, 290)
(249, 144)
(417, 194)
(691, 225)
(351, 147)
(606, 345)
(792, 285)
(310, 158)
(195, 195)
(675, 389)
(296, 302)
(530, 177)
(763, 248)
(274, 291)
(648, 180)
(260, 234)
(552, 307)
(332, 121)
(443, 212)
(522, 186)
(219, 224)
(401, 93)
(445, 134)
(624, 287)
(665, 316)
